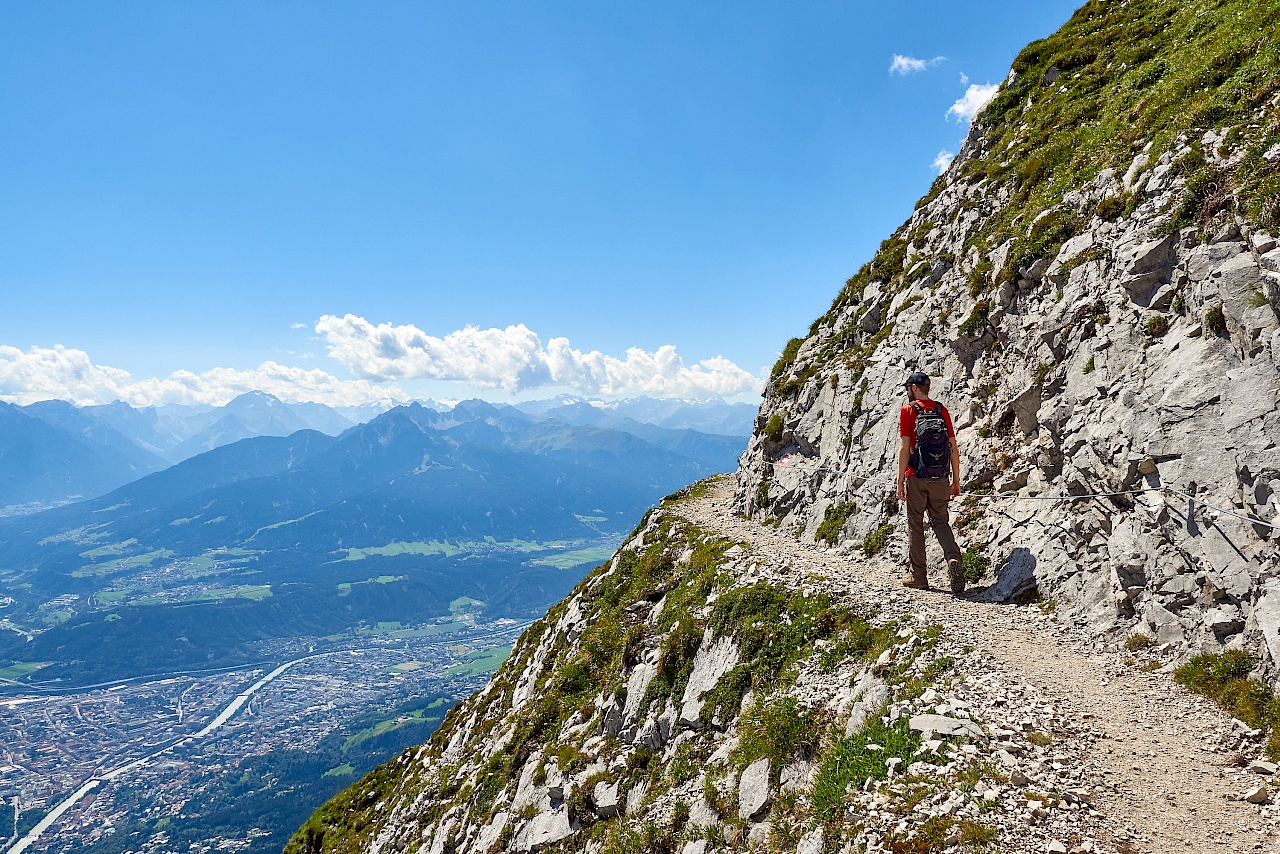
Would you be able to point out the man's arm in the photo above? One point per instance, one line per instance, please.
(955, 468)
(904, 454)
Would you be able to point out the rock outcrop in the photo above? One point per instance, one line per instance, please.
(1104, 331)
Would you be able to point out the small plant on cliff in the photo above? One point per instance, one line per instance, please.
(778, 728)
(874, 542)
(1112, 207)
(975, 564)
(773, 428)
(976, 323)
(833, 519)
(1042, 372)
(1157, 326)
(1138, 641)
(786, 358)
(1215, 321)
(1089, 366)
(1224, 678)
(851, 763)
(762, 494)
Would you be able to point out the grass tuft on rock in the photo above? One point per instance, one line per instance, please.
(851, 761)
(777, 728)
(833, 519)
(874, 542)
(1224, 678)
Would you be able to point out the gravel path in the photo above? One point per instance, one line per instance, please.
(1165, 767)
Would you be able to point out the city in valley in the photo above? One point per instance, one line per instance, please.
(149, 764)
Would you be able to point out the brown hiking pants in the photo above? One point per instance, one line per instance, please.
(929, 495)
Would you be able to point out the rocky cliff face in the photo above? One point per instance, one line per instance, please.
(1093, 284)
(698, 694)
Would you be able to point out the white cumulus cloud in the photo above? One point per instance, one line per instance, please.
(975, 98)
(515, 359)
(46, 373)
(903, 65)
(943, 160)
(906, 64)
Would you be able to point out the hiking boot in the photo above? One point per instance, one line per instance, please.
(915, 583)
(955, 572)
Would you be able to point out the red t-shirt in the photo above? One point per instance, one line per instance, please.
(907, 423)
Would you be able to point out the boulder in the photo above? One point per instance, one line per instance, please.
(713, 661)
(544, 829)
(872, 694)
(637, 684)
(811, 842)
(491, 832)
(945, 726)
(754, 791)
(604, 799)
(1143, 265)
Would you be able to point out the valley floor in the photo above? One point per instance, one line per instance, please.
(1156, 768)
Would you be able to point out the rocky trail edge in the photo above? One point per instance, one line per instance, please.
(1166, 767)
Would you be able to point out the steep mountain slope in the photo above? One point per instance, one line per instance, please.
(718, 452)
(270, 534)
(49, 453)
(722, 686)
(1093, 285)
(709, 416)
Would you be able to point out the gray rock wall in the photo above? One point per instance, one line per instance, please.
(1135, 358)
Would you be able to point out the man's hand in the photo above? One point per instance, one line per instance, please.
(902, 489)
(955, 489)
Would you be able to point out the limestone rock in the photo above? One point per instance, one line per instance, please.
(491, 832)
(1258, 794)
(544, 829)
(945, 726)
(604, 799)
(754, 791)
(811, 842)
(713, 660)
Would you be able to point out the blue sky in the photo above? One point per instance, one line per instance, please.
(340, 190)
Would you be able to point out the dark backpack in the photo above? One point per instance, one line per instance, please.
(931, 457)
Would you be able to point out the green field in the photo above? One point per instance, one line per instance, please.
(343, 770)
(255, 592)
(381, 579)
(415, 718)
(577, 557)
(398, 630)
(106, 551)
(480, 662)
(463, 604)
(433, 547)
(406, 667)
(19, 669)
(121, 563)
(440, 547)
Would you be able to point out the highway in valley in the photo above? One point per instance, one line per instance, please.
(234, 706)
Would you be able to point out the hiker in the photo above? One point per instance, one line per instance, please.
(927, 455)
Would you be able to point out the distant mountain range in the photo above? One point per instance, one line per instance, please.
(278, 537)
(53, 452)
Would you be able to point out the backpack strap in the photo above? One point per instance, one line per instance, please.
(917, 407)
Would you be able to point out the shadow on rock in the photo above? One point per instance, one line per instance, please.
(1015, 580)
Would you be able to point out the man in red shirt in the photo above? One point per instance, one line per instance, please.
(931, 491)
